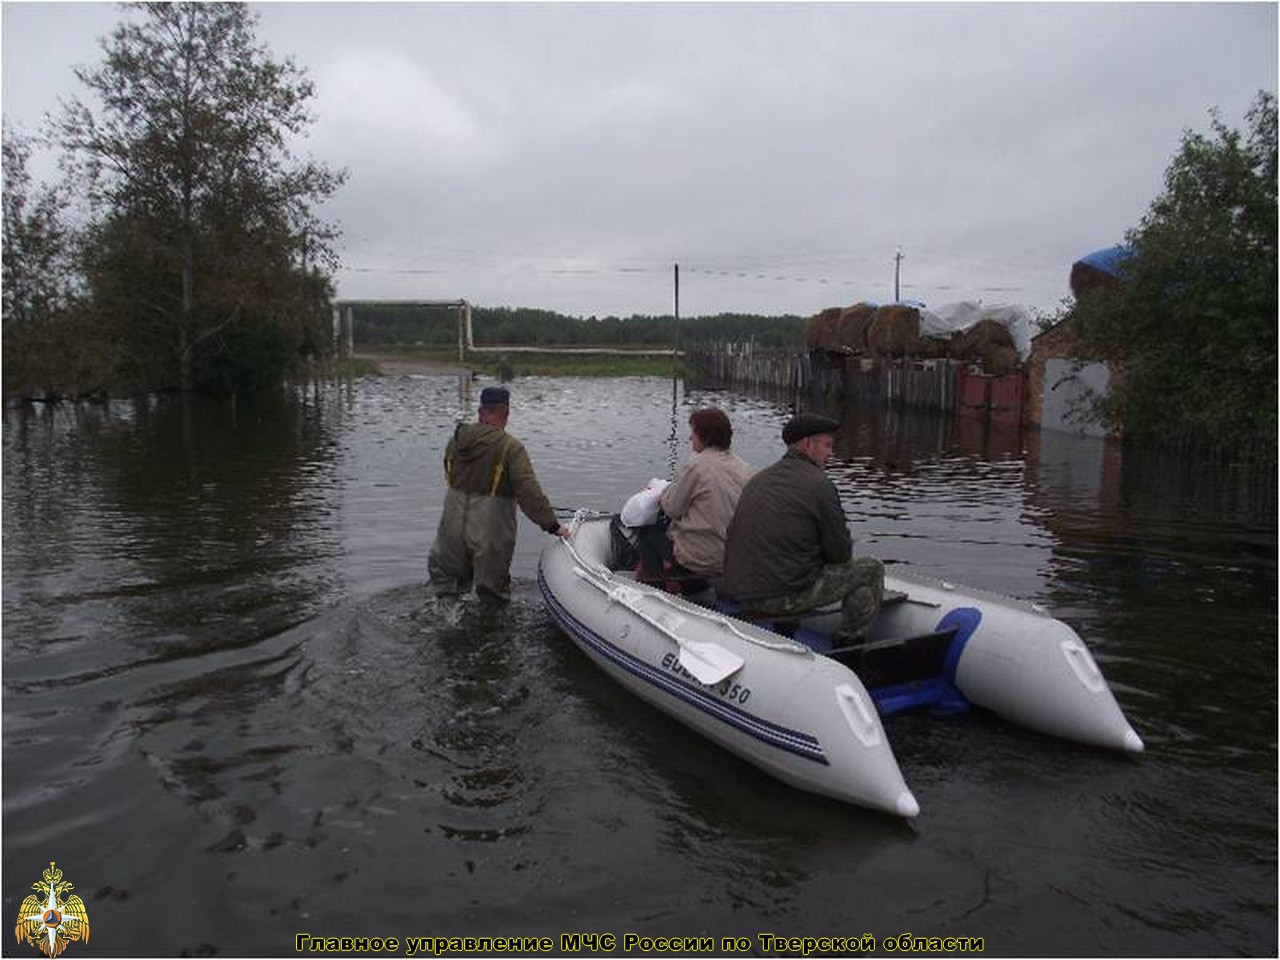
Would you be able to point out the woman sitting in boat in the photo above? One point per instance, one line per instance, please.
(685, 548)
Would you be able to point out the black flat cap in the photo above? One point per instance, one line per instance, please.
(495, 397)
(806, 425)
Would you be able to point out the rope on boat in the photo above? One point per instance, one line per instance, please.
(602, 578)
(575, 512)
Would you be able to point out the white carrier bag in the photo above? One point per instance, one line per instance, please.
(642, 509)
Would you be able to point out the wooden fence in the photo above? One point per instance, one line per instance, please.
(900, 383)
(742, 364)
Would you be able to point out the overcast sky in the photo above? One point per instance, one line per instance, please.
(565, 156)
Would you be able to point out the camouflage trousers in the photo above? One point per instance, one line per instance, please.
(858, 585)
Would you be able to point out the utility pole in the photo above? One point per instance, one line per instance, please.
(677, 277)
(897, 271)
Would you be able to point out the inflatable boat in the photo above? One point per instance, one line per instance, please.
(782, 697)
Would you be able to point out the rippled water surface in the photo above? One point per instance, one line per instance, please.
(231, 717)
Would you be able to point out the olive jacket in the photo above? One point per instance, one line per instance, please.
(489, 473)
(789, 524)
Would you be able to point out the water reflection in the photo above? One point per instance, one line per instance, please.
(678, 433)
(1144, 547)
(224, 673)
(180, 523)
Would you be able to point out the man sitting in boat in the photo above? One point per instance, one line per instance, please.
(788, 550)
(684, 550)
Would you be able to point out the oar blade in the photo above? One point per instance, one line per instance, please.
(709, 663)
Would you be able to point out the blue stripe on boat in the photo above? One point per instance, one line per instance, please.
(792, 741)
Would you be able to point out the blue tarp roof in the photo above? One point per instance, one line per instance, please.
(1109, 259)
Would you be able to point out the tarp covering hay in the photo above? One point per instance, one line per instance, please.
(1099, 268)
(946, 321)
(996, 336)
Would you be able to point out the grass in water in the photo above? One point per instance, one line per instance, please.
(517, 364)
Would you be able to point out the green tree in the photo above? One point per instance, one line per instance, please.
(40, 283)
(205, 220)
(38, 278)
(1192, 322)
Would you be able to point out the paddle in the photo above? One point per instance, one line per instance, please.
(706, 662)
(709, 663)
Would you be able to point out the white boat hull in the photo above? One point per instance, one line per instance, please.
(803, 717)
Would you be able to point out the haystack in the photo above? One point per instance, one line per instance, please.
(1086, 278)
(851, 329)
(821, 330)
(894, 332)
(988, 344)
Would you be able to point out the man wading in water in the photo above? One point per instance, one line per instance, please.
(489, 473)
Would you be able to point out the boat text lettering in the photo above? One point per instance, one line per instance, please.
(731, 691)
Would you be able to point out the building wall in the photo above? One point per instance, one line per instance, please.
(1052, 383)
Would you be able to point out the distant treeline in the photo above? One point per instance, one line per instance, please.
(523, 326)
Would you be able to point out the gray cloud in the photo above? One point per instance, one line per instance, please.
(565, 155)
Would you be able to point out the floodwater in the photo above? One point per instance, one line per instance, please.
(231, 717)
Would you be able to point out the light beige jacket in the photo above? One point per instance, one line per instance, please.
(700, 502)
